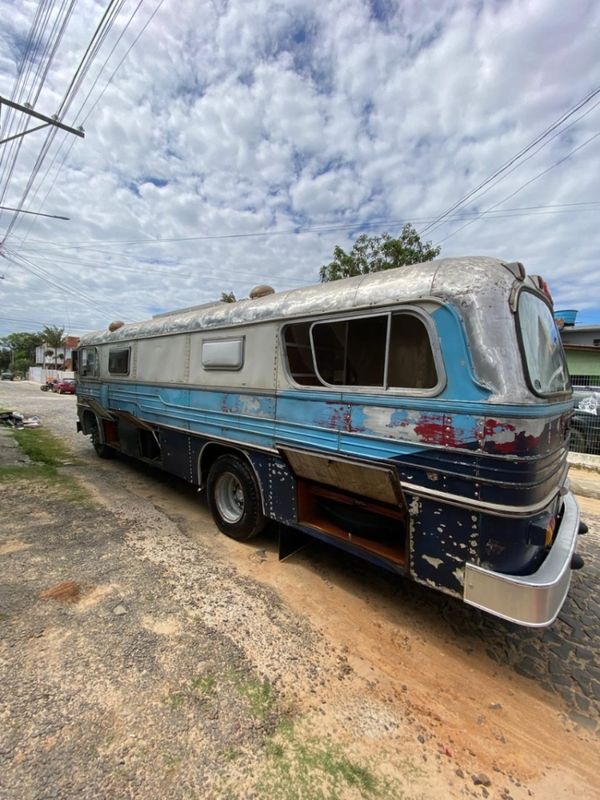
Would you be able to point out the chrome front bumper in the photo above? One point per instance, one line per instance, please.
(532, 600)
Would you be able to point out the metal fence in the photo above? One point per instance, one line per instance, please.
(585, 422)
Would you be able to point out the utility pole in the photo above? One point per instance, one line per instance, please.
(26, 109)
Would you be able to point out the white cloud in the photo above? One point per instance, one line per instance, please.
(230, 118)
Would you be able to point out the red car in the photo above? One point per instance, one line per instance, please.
(66, 386)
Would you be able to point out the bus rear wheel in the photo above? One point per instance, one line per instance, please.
(102, 450)
(234, 498)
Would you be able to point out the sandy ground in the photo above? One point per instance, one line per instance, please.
(147, 681)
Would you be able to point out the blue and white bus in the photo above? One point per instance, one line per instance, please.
(417, 417)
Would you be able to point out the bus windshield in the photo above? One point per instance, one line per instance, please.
(542, 347)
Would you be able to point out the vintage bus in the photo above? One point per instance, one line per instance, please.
(417, 417)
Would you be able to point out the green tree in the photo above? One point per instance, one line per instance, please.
(55, 338)
(376, 253)
(21, 364)
(21, 348)
(4, 358)
(228, 297)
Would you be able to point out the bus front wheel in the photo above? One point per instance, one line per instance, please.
(234, 498)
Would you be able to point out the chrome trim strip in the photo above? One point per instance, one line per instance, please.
(532, 600)
(495, 509)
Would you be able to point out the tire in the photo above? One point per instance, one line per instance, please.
(102, 450)
(234, 498)
(577, 443)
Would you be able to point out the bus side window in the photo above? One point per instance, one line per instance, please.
(298, 350)
(411, 364)
(351, 352)
(89, 362)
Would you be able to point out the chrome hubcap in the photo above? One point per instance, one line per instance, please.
(229, 498)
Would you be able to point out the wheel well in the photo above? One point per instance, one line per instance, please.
(88, 421)
(209, 454)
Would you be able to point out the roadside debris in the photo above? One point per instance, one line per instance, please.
(13, 419)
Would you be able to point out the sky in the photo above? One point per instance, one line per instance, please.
(231, 143)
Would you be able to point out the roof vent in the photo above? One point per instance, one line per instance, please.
(114, 326)
(261, 291)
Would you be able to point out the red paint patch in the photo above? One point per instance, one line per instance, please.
(438, 430)
(491, 429)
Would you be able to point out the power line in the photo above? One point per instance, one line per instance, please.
(515, 158)
(98, 37)
(523, 186)
(519, 164)
(42, 274)
(91, 244)
(81, 107)
(35, 213)
(83, 121)
(168, 271)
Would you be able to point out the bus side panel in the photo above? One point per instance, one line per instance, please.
(442, 538)
(278, 487)
(180, 454)
(309, 419)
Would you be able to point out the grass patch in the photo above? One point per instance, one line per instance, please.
(300, 767)
(258, 694)
(42, 446)
(47, 453)
(231, 753)
(174, 700)
(204, 683)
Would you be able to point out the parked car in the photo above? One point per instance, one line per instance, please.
(7, 376)
(585, 423)
(65, 386)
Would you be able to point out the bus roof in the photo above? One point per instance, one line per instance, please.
(461, 279)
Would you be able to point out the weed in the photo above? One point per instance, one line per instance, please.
(258, 694)
(301, 767)
(231, 753)
(204, 683)
(173, 700)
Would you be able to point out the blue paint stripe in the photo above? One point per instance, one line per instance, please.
(315, 424)
(440, 405)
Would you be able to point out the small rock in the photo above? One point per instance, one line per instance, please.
(421, 738)
(481, 779)
(119, 610)
(495, 706)
(459, 773)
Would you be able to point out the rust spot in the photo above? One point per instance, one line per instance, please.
(65, 592)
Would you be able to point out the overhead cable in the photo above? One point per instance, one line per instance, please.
(517, 156)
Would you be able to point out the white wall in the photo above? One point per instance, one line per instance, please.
(42, 374)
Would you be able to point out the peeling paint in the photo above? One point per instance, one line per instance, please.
(435, 562)
(459, 574)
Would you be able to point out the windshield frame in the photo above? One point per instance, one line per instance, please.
(524, 351)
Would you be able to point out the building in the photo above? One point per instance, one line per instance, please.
(63, 357)
(582, 348)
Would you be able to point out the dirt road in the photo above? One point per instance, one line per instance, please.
(177, 662)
